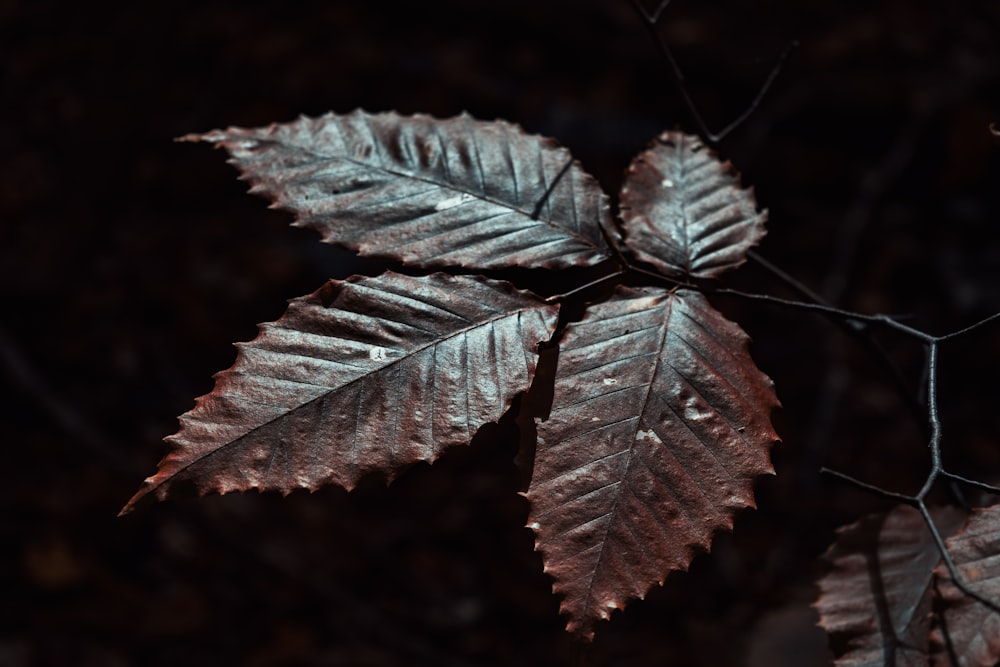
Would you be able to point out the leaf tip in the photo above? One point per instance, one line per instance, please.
(148, 485)
(196, 137)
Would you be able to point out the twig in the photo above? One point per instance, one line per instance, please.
(934, 420)
(796, 285)
(860, 325)
(659, 276)
(982, 486)
(877, 490)
(956, 577)
(836, 313)
(592, 283)
(855, 329)
(655, 16)
(651, 21)
(969, 328)
(936, 471)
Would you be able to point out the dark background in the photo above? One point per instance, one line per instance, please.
(129, 264)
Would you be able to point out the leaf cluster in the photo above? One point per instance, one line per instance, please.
(655, 423)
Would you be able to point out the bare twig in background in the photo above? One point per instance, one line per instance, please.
(937, 470)
(651, 22)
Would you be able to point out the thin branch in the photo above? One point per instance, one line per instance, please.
(658, 276)
(722, 134)
(795, 284)
(651, 21)
(933, 474)
(592, 283)
(982, 486)
(877, 490)
(956, 577)
(971, 327)
(942, 620)
(830, 311)
(858, 324)
(856, 329)
(655, 16)
(837, 313)
(934, 421)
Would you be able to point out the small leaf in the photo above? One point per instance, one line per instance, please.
(428, 192)
(684, 211)
(364, 375)
(972, 628)
(876, 600)
(659, 427)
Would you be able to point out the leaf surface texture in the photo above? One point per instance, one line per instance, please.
(972, 628)
(877, 597)
(364, 375)
(428, 192)
(684, 211)
(659, 426)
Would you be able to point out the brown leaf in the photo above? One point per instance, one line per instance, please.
(659, 427)
(684, 211)
(364, 375)
(972, 628)
(428, 192)
(876, 601)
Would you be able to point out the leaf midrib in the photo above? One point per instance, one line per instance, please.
(324, 394)
(451, 187)
(631, 452)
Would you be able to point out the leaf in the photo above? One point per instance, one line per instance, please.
(684, 211)
(428, 192)
(876, 601)
(659, 427)
(972, 628)
(364, 375)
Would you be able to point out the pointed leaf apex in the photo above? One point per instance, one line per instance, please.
(666, 464)
(684, 212)
(364, 376)
(373, 183)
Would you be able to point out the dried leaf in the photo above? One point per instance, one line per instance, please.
(876, 601)
(364, 375)
(684, 211)
(972, 628)
(659, 427)
(428, 192)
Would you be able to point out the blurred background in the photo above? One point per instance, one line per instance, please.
(129, 264)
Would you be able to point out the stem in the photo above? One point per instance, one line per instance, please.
(956, 576)
(760, 96)
(659, 276)
(877, 490)
(836, 313)
(782, 275)
(854, 328)
(575, 290)
(934, 421)
(982, 486)
(650, 21)
(971, 327)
